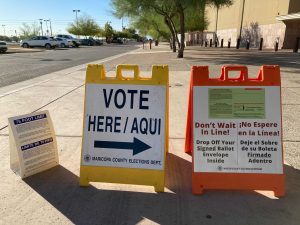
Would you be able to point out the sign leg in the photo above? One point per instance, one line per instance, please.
(83, 180)
(159, 187)
(197, 187)
(280, 190)
(189, 126)
(197, 190)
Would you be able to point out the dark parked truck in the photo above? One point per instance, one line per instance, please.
(3, 47)
(91, 42)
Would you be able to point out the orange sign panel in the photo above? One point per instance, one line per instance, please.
(234, 130)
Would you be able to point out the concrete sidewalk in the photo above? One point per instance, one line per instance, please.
(54, 196)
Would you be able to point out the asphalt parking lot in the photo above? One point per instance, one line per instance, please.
(20, 64)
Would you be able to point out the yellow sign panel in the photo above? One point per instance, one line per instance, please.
(125, 128)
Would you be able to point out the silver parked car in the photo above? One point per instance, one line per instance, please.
(63, 42)
(75, 41)
(39, 41)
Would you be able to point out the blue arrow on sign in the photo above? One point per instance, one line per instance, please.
(137, 145)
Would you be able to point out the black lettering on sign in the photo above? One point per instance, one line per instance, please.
(92, 122)
(146, 126)
(121, 97)
(100, 123)
(132, 92)
(108, 124)
(107, 101)
(144, 99)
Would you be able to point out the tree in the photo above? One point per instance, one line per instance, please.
(135, 8)
(121, 34)
(131, 32)
(180, 10)
(4, 38)
(195, 19)
(15, 38)
(29, 31)
(127, 33)
(167, 9)
(151, 24)
(84, 26)
(219, 4)
(74, 29)
(188, 11)
(178, 15)
(108, 31)
(100, 33)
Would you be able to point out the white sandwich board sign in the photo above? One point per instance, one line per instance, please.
(124, 126)
(33, 146)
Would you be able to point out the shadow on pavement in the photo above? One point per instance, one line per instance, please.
(90, 205)
(60, 49)
(284, 59)
(19, 51)
(59, 60)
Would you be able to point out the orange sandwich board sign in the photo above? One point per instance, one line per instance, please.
(234, 129)
(125, 130)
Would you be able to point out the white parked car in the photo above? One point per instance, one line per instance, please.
(39, 41)
(75, 41)
(63, 42)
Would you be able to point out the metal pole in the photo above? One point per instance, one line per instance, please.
(248, 44)
(3, 26)
(76, 11)
(238, 43)
(261, 44)
(41, 22)
(242, 19)
(50, 27)
(47, 31)
(276, 44)
(215, 38)
(296, 45)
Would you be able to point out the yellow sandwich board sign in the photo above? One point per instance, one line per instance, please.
(125, 130)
